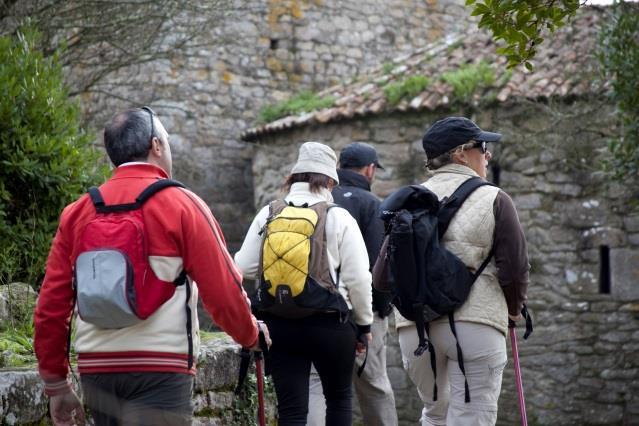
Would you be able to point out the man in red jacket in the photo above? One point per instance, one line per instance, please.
(141, 373)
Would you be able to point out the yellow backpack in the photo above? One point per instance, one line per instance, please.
(295, 279)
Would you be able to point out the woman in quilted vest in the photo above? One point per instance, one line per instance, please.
(456, 150)
(314, 288)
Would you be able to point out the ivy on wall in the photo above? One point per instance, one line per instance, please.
(619, 57)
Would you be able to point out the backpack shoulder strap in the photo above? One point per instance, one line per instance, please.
(96, 198)
(149, 191)
(453, 203)
(156, 187)
(319, 264)
(275, 207)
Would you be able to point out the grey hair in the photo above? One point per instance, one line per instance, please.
(439, 161)
(447, 157)
(127, 137)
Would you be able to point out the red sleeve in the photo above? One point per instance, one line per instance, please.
(219, 280)
(53, 316)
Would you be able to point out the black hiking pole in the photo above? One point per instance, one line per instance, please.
(259, 358)
(515, 349)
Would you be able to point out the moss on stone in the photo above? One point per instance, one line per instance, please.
(406, 89)
(468, 79)
(304, 101)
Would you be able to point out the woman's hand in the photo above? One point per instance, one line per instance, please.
(360, 347)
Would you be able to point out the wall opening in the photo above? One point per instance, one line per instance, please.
(496, 171)
(274, 44)
(604, 270)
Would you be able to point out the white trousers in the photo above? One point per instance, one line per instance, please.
(373, 388)
(484, 352)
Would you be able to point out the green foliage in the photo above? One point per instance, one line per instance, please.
(619, 57)
(388, 67)
(16, 346)
(46, 160)
(467, 79)
(519, 23)
(405, 89)
(305, 101)
(245, 406)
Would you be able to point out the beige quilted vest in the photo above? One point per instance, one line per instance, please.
(470, 237)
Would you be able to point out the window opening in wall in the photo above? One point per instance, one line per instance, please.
(496, 171)
(274, 43)
(604, 269)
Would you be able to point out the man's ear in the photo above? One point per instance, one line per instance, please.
(156, 148)
(370, 171)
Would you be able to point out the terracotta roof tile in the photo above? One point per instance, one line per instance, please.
(564, 65)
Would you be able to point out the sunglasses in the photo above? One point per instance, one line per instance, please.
(482, 145)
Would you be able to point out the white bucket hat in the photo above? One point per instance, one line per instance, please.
(315, 157)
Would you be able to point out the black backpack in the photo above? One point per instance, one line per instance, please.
(426, 280)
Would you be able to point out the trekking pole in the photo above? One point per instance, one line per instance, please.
(259, 358)
(259, 372)
(515, 349)
(520, 387)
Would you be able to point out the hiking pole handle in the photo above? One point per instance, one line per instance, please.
(529, 322)
(261, 338)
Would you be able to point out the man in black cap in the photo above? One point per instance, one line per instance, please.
(358, 163)
(452, 132)
(485, 228)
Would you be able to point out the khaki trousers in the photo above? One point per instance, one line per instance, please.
(484, 351)
(373, 388)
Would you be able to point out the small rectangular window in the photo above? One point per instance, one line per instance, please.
(604, 269)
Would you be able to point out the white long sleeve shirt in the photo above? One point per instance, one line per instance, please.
(346, 251)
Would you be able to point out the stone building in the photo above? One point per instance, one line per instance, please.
(262, 52)
(581, 365)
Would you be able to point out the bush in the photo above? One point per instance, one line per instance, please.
(467, 79)
(406, 89)
(46, 159)
(305, 101)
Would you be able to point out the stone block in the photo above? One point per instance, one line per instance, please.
(631, 223)
(22, 399)
(218, 364)
(624, 271)
(527, 201)
(602, 236)
(17, 301)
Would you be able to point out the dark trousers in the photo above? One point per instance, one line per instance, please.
(123, 399)
(327, 343)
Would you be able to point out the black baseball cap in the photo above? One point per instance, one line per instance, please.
(358, 154)
(450, 132)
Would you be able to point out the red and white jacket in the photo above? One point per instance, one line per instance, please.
(182, 234)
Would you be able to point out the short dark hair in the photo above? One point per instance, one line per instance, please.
(127, 137)
(316, 181)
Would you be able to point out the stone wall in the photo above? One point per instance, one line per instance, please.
(262, 52)
(581, 365)
(22, 400)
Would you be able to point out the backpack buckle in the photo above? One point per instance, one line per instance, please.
(421, 348)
